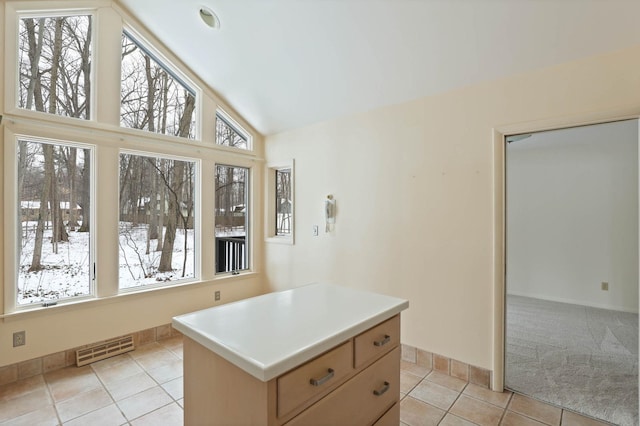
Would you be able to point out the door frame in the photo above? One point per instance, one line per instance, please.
(499, 133)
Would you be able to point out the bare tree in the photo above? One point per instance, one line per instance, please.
(174, 210)
(86, 191)
(51, 81)
(161, 213)
(36, 264)
(71, 157)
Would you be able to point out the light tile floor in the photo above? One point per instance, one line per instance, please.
(144, 387)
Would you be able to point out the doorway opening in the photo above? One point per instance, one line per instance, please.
(571, 279)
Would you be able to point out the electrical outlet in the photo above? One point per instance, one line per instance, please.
(19, 338)
(315, 230)
(217, 295)
(605, 286)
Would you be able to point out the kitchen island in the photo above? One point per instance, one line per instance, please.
(316, 354)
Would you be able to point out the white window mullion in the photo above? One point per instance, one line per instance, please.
(106, 80)
(106, 220)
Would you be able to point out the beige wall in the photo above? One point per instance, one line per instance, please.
(49, 330)
(414, 185)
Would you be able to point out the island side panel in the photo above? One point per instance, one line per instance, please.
(217, 392)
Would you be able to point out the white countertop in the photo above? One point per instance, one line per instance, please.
(270, 334)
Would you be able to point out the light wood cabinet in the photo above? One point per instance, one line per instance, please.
(369, 345)
(355, 383)
(314, 378)
(361, 400)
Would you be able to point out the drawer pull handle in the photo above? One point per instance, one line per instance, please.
(322, 380)
(383, 389)
(382, 342)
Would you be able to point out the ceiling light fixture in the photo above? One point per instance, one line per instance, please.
(209, 17)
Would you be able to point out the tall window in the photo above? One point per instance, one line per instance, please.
(284, 202)
(230, 134)
(231, 222)
(54, 231)
(54, 65)
(152, 96)
(157, 216)
(279, 206)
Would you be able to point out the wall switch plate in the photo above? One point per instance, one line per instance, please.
(216, 295)
(315, 230)
(605, 286)
(19, 338)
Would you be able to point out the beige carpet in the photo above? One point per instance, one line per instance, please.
(581, 358)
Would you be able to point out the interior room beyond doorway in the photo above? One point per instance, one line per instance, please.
(571, 332)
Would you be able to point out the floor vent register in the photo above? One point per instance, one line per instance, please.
(104, 350)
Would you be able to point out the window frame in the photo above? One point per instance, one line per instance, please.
(249, 246)
(271, 235)
(197, 273)
(12, 217)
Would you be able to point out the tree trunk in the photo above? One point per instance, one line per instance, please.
(35, 51)
(58, 230)
(43, 211)
(228, 198)
(178, 180)
(151, 93)
(86, 72)
(139, 195)
(55, 62)
(22, 165)
(165, 101)
(185, 220)
(153, 203)
(161, 213)
(151, 207)
(71, 170)
(125, 178)
(86, 191)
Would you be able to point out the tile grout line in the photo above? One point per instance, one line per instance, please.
(452, 404)
(504, 410)
(104, 386)
(154, 379)
(53, 401)
(158, 384)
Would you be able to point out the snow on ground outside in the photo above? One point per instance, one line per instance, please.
(68, 273)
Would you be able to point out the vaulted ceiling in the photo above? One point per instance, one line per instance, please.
(284, 64)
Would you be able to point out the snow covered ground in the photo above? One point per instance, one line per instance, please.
(68, 273)
(65, 274)
(138, 268)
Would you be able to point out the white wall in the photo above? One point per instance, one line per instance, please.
(572, 215)
(414, 185)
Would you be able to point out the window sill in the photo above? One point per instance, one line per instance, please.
(40, 311)
(280, 240)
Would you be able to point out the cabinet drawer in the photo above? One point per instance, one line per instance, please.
(391, 417)
(361, 400)
(377, 341)
(314, 378)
